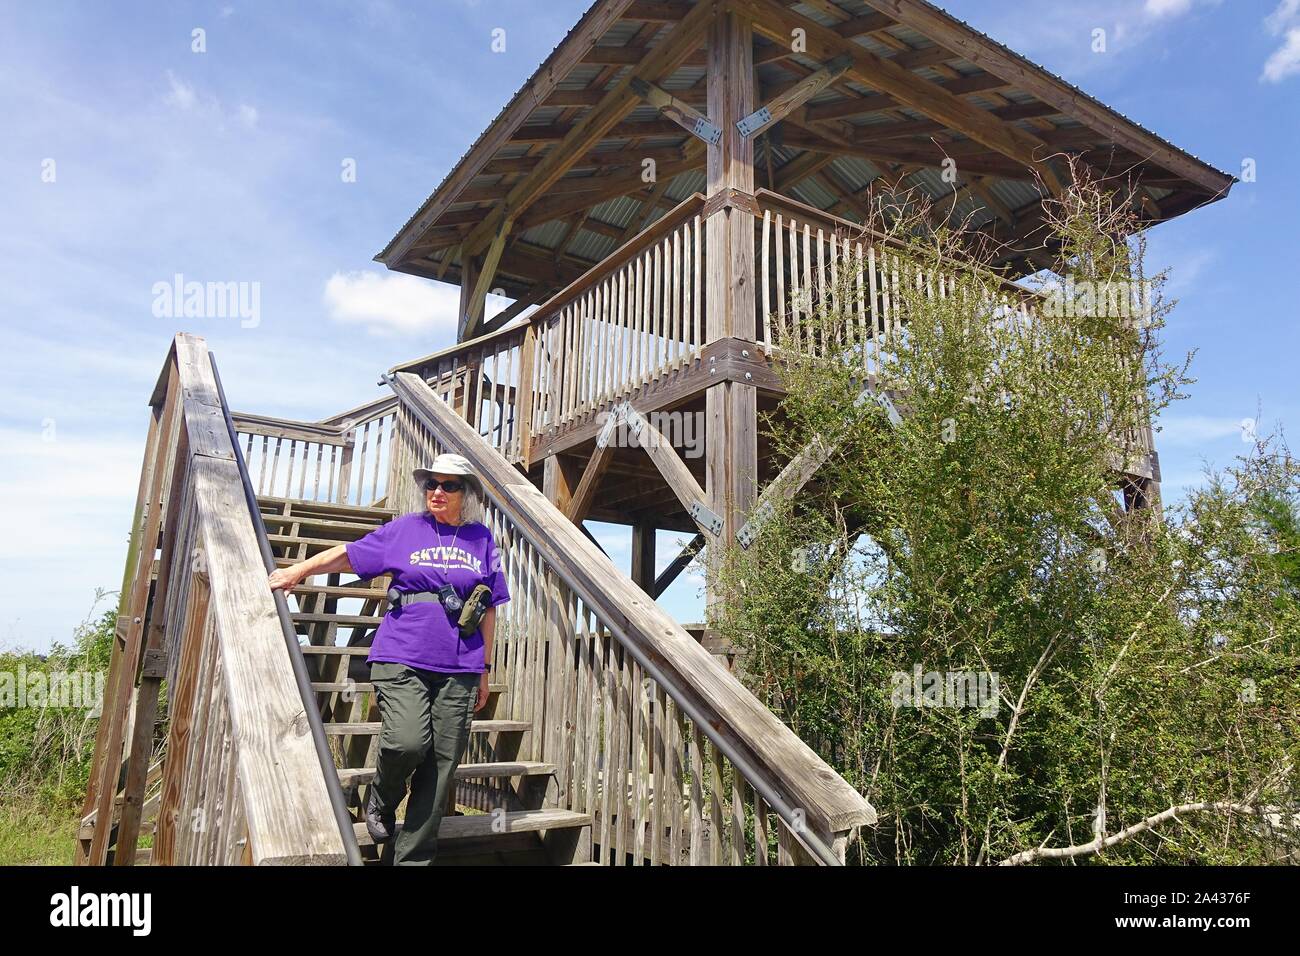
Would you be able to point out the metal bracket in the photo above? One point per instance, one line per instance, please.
(747, 534)
(634, 419)
(706, 518)
(708, 132)
(607, 430)
(895, 419)
(883, 400)
(754, 122)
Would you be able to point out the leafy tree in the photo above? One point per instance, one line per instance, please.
(1140, 698)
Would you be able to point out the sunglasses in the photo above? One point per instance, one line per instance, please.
(451, 487)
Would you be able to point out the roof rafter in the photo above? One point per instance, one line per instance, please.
(680, 42)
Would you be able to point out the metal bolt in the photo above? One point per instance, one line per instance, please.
(748, 376)
(744, 353)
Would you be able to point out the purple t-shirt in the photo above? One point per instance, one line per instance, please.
(423, 554)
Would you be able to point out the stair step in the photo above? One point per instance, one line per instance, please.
(316, 508)
(363, 687)
(334, 649)
(474, 825)
(467, 771)
(323, 543)
(347, 620)
(361, 525)
(371, 727)
(340, 590)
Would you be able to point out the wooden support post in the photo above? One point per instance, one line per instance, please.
(117, 700)
(560, 476)
(154, 667)
(643, 556)
(524, 411)
(731, 407)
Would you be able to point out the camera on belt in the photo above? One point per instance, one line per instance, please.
(468, 613)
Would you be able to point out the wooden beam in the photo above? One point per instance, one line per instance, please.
(595, 23)
(785, 103)
(883, 74)
(663, 58)
(478, 299)
(684, 115)
(580, 502)
(984, 83)
(929, 20)
(669, 463)
(677, 566)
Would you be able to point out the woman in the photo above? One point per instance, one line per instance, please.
(429, 678)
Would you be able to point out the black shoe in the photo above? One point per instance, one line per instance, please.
(379, 825)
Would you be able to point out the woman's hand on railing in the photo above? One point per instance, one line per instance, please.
(285, 579)
(328, 561)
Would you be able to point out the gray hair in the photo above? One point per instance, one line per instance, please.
(471, 508)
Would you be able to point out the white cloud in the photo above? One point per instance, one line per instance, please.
(393, 303)
(181, 95)
(247, 115)
(1167, 8)
(1197, 429)
(1285, 60)
(386, 303)
(1286, 11)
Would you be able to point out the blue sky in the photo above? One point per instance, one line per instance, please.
(225, 165)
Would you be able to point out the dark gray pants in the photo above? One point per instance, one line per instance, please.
(426, 720)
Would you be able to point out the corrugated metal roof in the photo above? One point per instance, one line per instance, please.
(855, 172)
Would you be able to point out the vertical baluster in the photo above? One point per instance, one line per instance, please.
(275, 465)
(678, 340)
(764, 273)
(696, 273)
(780, 281)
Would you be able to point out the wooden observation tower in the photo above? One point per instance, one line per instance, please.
(658, 189)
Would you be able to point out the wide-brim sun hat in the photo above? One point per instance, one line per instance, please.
(444, 464)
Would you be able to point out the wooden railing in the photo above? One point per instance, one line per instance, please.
(629, 321)
(343, 459)
(677, 762)
(639, 315)
(240, 779)
(807, 259)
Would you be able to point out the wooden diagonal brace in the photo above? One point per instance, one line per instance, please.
(674, 470)
(781, 106)
(684, 115)
(477, 302)
(802, 467)
(678, 564)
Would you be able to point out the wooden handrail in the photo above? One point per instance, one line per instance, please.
(647, 237)
(775, 761)
(212, 632)
(780, 203)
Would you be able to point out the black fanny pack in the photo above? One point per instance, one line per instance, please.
(468, 614)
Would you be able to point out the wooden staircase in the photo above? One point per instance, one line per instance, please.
(337, 620)
(610, 736)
